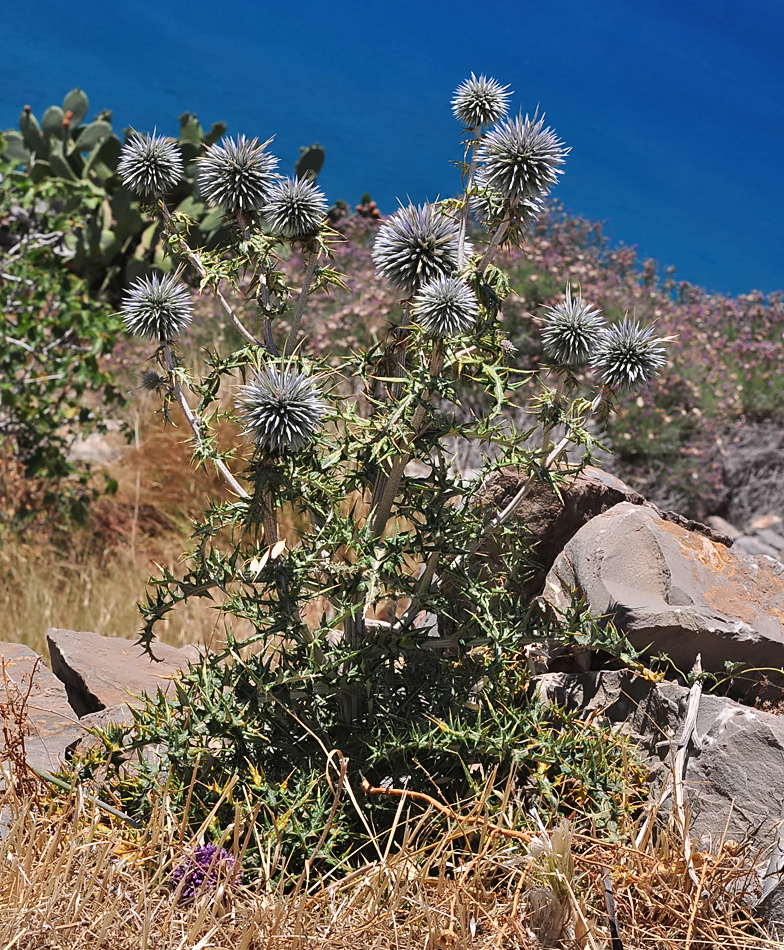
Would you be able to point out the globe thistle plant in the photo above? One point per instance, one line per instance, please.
(280, 409)
(572, 330)
(445, 307)
(521, 159)
(414, 246)
(480, 102)
(158, 308)
(150, 164)
(295, 208)
(238, 176)
(629, 356)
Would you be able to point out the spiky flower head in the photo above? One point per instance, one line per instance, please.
(521, 159)
(238, 176)
(151, 381)
(204, 867)
(572, 330)
(480, 101)
(150, 164)
(629, 356)
(280, 408)
(295, 208)
(158, 308)
(414, 246)
(445, 306)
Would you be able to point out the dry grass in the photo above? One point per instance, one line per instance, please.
(70, 877)
(93, 578)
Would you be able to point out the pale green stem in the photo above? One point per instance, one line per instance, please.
(195, 261)
(510, 509)
(495, 243)
(468, 186)
(310, 270)
(383, 508)
(195, 427)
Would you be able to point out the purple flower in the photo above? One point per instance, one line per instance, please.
(204, 867)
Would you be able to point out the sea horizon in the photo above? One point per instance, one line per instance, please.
(674, 111)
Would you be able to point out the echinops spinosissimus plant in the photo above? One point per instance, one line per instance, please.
(383, 642)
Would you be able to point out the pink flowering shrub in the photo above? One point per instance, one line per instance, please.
(670, 442)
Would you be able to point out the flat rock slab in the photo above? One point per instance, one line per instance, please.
(99, 672)
(51, 725)
(673, 590)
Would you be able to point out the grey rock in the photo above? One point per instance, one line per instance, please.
(752, 545)
(50, 724)
(673, 591)
(734, 782)
(773, 538)
(723, 527)
(99, 672)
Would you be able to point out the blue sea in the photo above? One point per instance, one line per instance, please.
(674, 108)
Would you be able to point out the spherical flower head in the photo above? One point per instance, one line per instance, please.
(295, 209)
(151, 381)
(414, 246)
(203, 868)
(521, 159)
(150, 164)
(238, 176)
(572, 331)
(158, 308)
(480, 101)
(629, 356)
(280, 408)
(445, 307)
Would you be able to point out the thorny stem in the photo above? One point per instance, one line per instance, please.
(193, 422)
(195, 261)
(502, 516)
(268, 513)
(495, 243)
(392, 482)
(468, 186)
(310, 270)
(266, 322)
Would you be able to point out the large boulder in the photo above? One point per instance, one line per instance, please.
(50, 725)
(99, 672)
(553, 520)
(675, 591)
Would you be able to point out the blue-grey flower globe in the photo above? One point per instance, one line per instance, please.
(521, 159)
(295, 209)
(237, 175)
(414, 246)
(480, 101)
(150, 164)
(629, 356)
(280, 408)
(158, 308)
(572, 331)
(445, 307)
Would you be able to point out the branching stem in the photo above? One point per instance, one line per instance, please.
(193, 422)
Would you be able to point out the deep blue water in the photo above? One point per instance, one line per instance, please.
(674, 108)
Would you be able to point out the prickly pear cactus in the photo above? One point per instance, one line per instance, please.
(117, 239)
(310, 162)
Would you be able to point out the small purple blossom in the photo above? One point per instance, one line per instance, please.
(203, 868)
